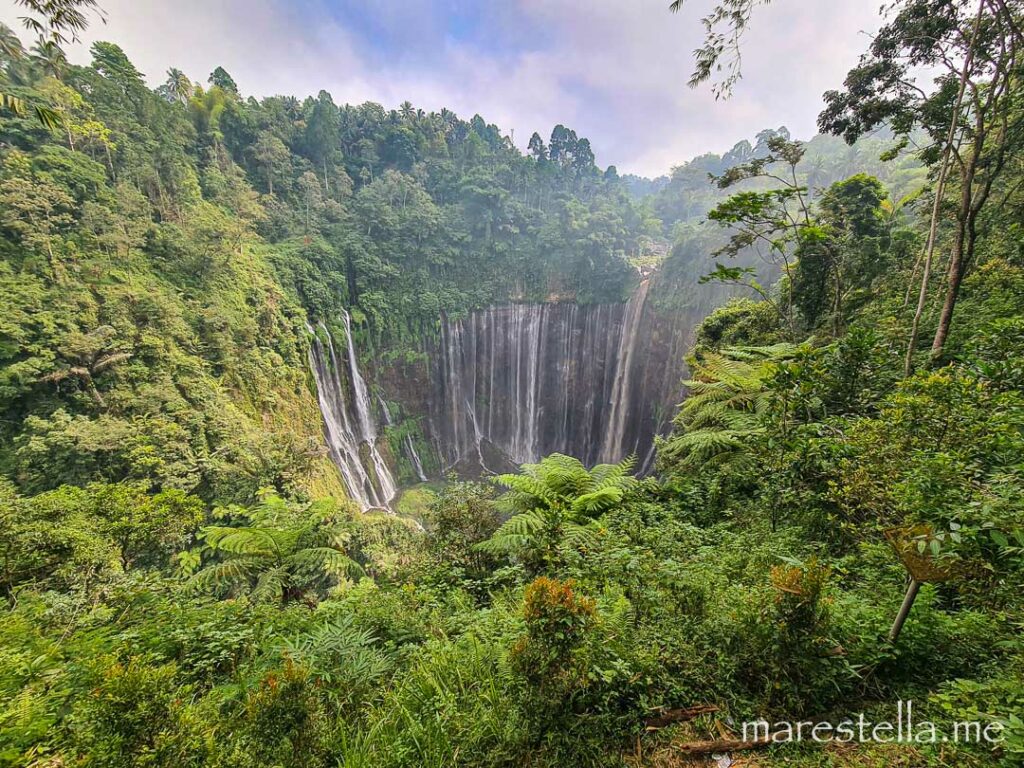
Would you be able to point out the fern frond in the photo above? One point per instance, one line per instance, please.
(528, 486)
(596, 502)
(227, 573)
(248, 541)
(270, 585)
(514, 533)
(579, 537)
(331, 561)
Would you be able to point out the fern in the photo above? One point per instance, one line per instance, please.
(724, 412)
(515, 533)
(554, 503)
(279, 552)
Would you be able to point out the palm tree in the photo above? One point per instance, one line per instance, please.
(554, 504)
(61, 20)
(725, 407)
(448, 120)
(12, 50)
(406, 110)
(49, 58)
(10, 46)
(56, 22)
(280, 552)
(178, 87)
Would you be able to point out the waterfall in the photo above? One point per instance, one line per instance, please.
(349, 426)
(415, 459)
(385, 412)
(509, 384)
(614, 447)
(512, 383)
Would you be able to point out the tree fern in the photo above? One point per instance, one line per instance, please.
(518, 532)
(277, 552)
(554, 503)
(725, 407)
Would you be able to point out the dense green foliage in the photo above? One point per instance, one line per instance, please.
(185, 585)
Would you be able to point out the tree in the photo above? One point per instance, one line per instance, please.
(723, 28)
(725, 408)
(554, 504)
(322, 133)
(86, 355)
(841, 252)
(34, 209)
(972, 116)
(537, 148)
(271, 154)
(207, 108)
(220, 78)
(78, 120)
(68, 536)
(11, 48)
(278, 551)
(769, 222)
(112, 62)
(59, 20)
(56, 23)
(49, 58)
(178, 87)
(463, 515)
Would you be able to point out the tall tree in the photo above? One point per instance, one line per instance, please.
(322, 134)
(538, 150)
(49, 58)
(220, 78)
(771, 222)
(271, 154)
(972, 116)
(839, 254)
(178, 88)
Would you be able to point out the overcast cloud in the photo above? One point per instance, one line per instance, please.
(614, 70)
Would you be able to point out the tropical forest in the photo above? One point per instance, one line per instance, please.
(376, 436)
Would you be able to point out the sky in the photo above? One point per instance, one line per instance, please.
(615, 71)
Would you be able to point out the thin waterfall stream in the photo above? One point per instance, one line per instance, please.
(349, 425)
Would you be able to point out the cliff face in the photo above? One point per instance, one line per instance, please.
(509, 384)
(525, 380)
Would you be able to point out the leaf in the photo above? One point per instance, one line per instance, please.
(999, 537)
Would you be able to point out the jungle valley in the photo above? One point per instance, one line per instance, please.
(350, 435)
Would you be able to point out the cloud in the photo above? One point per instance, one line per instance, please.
(614, 70)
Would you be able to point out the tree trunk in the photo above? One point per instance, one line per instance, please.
(837, 303)
(908, 364)
(908, 603)
(961, 257)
